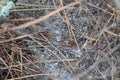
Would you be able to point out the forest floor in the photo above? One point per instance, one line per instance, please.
(61, 40)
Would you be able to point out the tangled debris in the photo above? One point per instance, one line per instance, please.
(80, 42)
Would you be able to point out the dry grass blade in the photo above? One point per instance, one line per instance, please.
(111, 33)
(34, 75)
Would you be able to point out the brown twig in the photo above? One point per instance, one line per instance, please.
(44, 17)
(16, 38)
